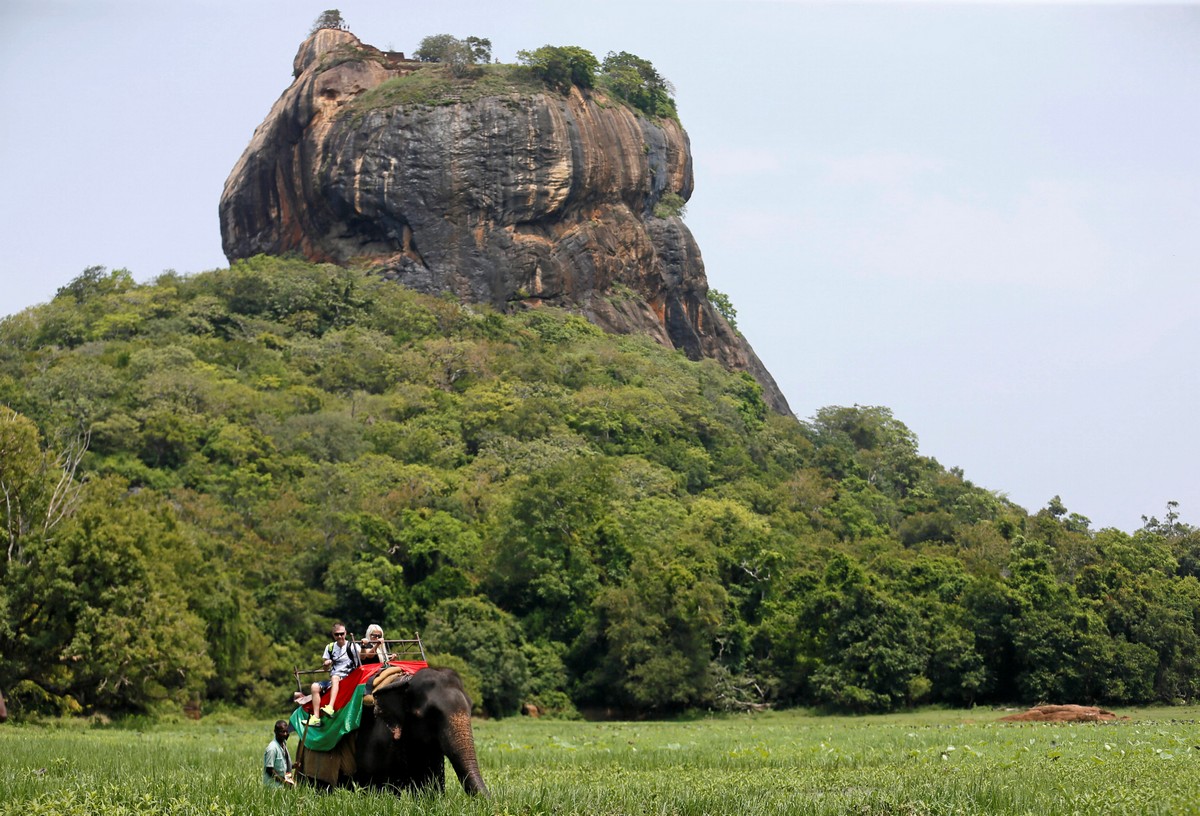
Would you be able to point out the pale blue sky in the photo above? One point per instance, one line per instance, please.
(985, 217)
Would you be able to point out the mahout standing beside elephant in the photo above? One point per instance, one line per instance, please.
(277, 761)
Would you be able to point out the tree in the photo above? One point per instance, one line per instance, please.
(481, 49)
(458, 55)
(660, 625)
(880, 448)
(548, 680)
(101, 619)
(743, 549)
(329, 18)
(562, 66)
(956, 670)
(435, 47)
(843, 639)
(636, 81)
(544, 566)
(95, 282)
(489, 640)
(95, 299)
(868, 647)
(38, 488)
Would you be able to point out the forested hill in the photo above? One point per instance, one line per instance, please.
(201, 473)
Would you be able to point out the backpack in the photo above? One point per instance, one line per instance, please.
(352, 652)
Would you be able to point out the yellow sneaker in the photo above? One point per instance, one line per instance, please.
(314, 721)
(327, 710)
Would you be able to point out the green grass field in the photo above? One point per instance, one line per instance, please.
(933, 762)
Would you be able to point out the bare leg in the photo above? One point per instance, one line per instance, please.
(333, 689)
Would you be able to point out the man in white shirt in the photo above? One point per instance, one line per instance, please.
(339, 657)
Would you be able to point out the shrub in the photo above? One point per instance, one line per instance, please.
(724, 307)
(670, 205)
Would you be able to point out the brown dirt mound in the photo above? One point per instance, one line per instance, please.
(1063, 713)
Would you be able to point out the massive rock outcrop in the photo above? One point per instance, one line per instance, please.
(495, 189)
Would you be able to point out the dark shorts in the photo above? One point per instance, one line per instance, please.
(325, 684)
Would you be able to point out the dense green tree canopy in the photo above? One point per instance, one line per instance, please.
(199, 474)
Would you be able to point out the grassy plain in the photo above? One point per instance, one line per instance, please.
(931, 762)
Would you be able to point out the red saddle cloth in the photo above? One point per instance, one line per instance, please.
(349, 684)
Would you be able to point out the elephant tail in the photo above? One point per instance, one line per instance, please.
(460, 748)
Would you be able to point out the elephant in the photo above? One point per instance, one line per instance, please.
(417, 721)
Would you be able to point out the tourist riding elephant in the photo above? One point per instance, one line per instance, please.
(416, 723)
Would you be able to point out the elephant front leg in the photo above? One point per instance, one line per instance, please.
(427, 768)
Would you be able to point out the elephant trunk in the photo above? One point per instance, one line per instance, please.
(459, 745)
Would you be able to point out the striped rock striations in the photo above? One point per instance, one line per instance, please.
(496, 190)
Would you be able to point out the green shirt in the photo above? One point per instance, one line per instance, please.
(276, 756)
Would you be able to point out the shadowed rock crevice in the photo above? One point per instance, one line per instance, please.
(514, 197)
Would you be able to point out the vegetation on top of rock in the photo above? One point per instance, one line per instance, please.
(445, 47)
(627, 77)
(459, 55)
(561, 66)
(329, 18)
(436, 85)
(636, 81)
(466, 75)
(279, 444)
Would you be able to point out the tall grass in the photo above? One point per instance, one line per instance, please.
(921, 763)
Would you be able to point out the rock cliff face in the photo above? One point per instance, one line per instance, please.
(497, 190)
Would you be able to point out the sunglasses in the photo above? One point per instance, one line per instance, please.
(375, 637)
(339, 634)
